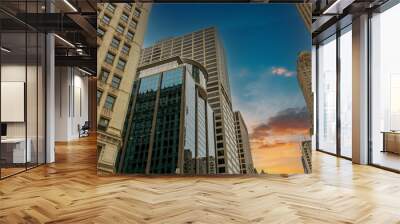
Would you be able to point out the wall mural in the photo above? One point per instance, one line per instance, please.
(212, 93)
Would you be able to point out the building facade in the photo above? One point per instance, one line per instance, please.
(169, 126)
(204, 47)
(305, 11)
(120, 31)
(243, 145)
(306, 156)
(304, 78)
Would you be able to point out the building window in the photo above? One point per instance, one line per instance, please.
(115, 43)
(128, 6)
(103, 124)
(345, 82)
(99, 94)
(129, 35)
(111, 7)
(109, 104)
(110, 58)
(116, 80)
(149, 84)
(327, 95)
(100, 32)
(125, 49)
(106, 19)
(385, 89)
(121, 64)
(120, 28)
(136, 12)
(172, 78)
(124, 17)
(104, 75)
(133, 24)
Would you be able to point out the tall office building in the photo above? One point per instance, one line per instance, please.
(205, 47)
(306, 155)
(169, 127)
(120, 31)
(304, 78)
(305, 10)
(243, 145)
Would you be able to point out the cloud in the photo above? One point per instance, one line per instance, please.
(282, 71)
(243, 72)
(289, 121)
(287, 126)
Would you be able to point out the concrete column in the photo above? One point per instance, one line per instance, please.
(360, 90)
(50, 98)
(314, 90)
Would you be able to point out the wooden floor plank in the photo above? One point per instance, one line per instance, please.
(69, 191)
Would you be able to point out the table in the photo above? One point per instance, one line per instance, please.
(13, 150)
(391, 141)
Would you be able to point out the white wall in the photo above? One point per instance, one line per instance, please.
(71, 102)
(16, 73)
(33, 126)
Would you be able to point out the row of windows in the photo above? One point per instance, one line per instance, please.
(120, 28)
(111, 7)
(115, 82)
(115, 42)
(110, 57)
(110, 100)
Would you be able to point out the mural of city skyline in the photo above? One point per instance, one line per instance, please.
(261, 60)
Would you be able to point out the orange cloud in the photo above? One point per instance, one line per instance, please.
(292, 121)
(276, 143)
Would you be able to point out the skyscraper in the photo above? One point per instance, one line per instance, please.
(169, 127)
(304, 79)
(305, 10)
(205, 47)
(306, 155)
(120, 31)
(243, 144)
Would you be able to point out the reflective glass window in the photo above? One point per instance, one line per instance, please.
(149, 83)
(172, 78)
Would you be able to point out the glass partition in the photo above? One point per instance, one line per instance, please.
(22, 88)
(31, 98)
(15, 149)
(346, 92)
(327, 95)
(385, 89)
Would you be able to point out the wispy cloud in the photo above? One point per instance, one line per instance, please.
(243, 72)
(282, 71)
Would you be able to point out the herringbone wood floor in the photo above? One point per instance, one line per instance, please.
(69, 191)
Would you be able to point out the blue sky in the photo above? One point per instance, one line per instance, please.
(256, 37)
(261, 41)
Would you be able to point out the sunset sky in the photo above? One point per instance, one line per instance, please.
(262, 42)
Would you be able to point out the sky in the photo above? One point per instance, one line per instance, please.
(262, 42)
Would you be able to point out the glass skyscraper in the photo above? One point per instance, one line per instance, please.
(169, 127)
(205, 47)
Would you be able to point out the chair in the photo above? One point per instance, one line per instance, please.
(84, 130)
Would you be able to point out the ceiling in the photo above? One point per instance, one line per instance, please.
(330, 15)
(74, 22)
